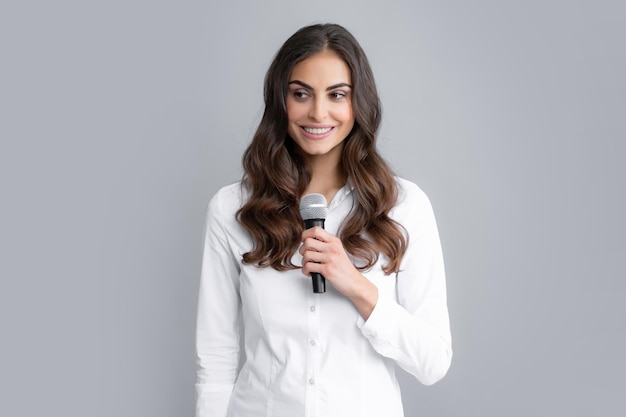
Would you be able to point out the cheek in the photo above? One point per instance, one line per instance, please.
(346, 115)
(294, 111)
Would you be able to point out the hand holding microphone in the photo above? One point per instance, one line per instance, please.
(323, 251)
(313, 210)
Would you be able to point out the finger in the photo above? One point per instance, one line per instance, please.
(309, 267)
(313, 244)
(313, 256)
(316, 233)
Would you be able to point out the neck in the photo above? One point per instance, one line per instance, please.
(327, 177)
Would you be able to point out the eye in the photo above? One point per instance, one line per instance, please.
(337, 95)
(300, 95)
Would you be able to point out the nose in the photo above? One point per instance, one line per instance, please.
(318, 110)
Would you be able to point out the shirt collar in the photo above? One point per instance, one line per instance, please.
(341, 194)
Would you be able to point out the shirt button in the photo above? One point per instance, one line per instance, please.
(312, 381)
(312, 342)
(312, 308)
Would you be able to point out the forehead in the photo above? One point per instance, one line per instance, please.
(321, 70)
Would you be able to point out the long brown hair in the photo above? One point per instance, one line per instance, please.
(276, 173)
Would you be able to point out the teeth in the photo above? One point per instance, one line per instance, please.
(317, 131)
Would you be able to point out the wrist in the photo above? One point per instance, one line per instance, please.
(364, 296)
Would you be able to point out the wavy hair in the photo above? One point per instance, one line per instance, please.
(276, 173)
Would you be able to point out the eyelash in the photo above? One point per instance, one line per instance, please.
(303, 95)
(341, 95)
(300, 95)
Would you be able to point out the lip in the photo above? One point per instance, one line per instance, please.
(316, 136)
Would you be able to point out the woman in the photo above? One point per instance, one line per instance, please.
(307, 354)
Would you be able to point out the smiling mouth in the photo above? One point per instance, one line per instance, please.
(317, 131)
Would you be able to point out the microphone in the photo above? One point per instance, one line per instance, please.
(313, 210)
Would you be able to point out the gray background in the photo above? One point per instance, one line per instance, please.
(120, 119)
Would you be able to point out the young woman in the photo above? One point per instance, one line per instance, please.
(308, 354)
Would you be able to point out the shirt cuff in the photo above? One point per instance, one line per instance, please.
(212, 401)
(378, 319)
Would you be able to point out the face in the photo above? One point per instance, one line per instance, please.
(319, 104)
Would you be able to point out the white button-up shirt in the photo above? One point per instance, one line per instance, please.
(313, 355)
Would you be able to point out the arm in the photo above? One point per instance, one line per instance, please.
(218, 319)
(414, 329)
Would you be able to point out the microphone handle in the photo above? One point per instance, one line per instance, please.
(319, 282)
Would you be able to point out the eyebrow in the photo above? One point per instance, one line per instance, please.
(308, 87)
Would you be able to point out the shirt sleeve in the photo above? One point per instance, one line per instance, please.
(414, 329)
(218, 318)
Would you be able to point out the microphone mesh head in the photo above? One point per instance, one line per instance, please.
(313, 206)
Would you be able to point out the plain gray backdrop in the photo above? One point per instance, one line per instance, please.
(120, 119)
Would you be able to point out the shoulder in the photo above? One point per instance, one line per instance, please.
(410, 194)
(413, 208)
(224, 204)
(229, 197)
